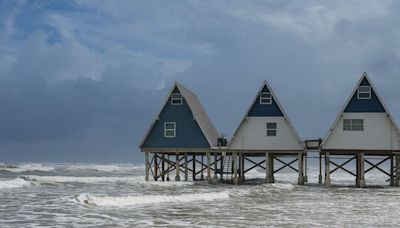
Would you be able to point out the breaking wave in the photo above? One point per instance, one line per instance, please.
(25, 168)
(104, 168)
(72, 179)
(15, 183)
(123, 201)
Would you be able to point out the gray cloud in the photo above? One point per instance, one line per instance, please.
(80, 81)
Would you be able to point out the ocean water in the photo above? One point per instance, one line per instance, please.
(116, 195)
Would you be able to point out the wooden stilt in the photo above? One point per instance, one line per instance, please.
(327, 170)
(271, 178)
(202, 163)
(301, 168)
(235, 169)
(391, 171)
(194, 168)
(155, 167)
(177, 177)
(186, 167)
(215, 177)
(320, 169)
(208, 166)
(168, 167)
(305, 167)
(361, 174)
(163, 168)
(242, 168)
(397, 169)
(147, 165)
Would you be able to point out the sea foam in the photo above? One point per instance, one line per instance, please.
(73, 179)
(26, 168)
(14, 183)
(123, 201)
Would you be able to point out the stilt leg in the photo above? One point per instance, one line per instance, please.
(208, 167)
(242, 169)
(155, 167)
(305, 168)
(194, 168)
(397, 169)
(327, 170)
(186, 168)
(177, 177)
(391, 171)
(146, 158)
(301, 168)
(202, 162)
(168, 168)
(361, 174)
(163, 168)
(235, 169)
(271, 177)
(320, 169)
(215, 177)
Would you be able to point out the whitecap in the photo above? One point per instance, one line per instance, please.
(26, 168)
(15, 183)
(74, 179)
(123, 201)
(104, 168)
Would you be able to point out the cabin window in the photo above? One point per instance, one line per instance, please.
(364, 92)
(265, 98)
(176, 99)
(353, 125)
(169, 130)
(271, 129)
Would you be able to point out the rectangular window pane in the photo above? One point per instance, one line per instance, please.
(271, 132)
(271, 125)
(357, 127)
(170, 129)
(169, 126)
(265, 98)
(353, 124)
(347, 121)
(364, 95)
(176, 99)
(358, 121)
(364, 89)
(346, 127)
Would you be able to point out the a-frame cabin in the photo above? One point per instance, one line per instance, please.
(364, 127)
(267, 132)
(181, 128)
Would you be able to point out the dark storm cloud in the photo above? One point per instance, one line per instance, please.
(80, 81)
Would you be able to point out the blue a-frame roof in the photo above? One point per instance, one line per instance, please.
(258, 109)
(194, 129)
(365, 105)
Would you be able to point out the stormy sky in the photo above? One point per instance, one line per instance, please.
(81, 80)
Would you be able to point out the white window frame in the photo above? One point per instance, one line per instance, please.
(359, 92)
(176, 100)
(272, 129)
(265, 100)
(166, 130)
(351, 126)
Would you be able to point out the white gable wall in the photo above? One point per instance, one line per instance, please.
(379, 134)
(252, 135)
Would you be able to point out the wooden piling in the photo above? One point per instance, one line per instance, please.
(163, 168)
(305, 167)
(391, 171)
(361, 171)
(177, 177)
(168, 167)
(327, 170)
(194, 168)
(235, 169)
(186, 167)
(208, 166)
(301, 168)
(146, 158)
(397, 169)
(242, 168)
(155, 167)
(271, 178)
(320, 169)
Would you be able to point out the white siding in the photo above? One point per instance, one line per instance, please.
(379, 134)
(252, 135)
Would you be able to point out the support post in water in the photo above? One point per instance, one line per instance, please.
(320, 169)
(168, 167)
(271, 178)
(327, 170)
(235, 169)
(305, 167)
(301, 175)
(155, 167)
(361, 170)
(208, 167)
(177, 177)
(391, 171)
(186, 167)
(397, 169)
(215, 177)
(146, 158)
(194, 168)
(163, 167)
(242, 169)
